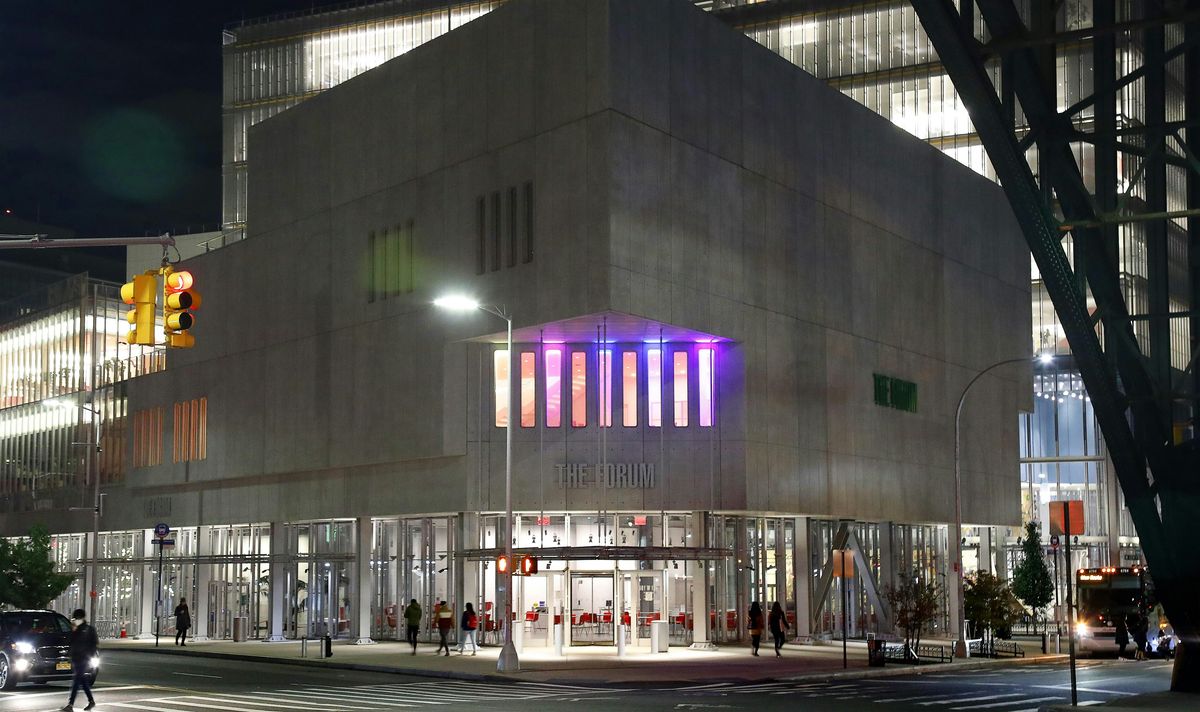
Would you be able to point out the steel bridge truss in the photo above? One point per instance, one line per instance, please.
(1144, 407)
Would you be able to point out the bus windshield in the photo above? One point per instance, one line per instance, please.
(1117, 594)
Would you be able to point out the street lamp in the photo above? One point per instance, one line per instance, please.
(94, 559)
(508, 661)
(960, 646)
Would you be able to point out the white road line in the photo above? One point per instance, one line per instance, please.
(941, 696)
(309, 696)
(1005, 704)
(699, 687)
(136, 706)
(244, 700)
(1086, 689)
(196, 674)
(550, 685)
(972, 699)
(208, 704)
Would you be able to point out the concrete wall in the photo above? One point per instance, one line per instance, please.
(683, 175)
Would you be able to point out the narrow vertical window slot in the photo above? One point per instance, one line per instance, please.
(629, 389)
(500, 371)
(680, 388)
(495, 230)
(706, 368)
(654, 385)
(528, 222)
(481, 236)
(578, 389)
(553, 388)
(512, 227)
(528, 389)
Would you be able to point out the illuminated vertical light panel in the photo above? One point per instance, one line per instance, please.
(553, 388)
(528, 389)
(654, 388)
(605, 388)
(500, 369)
(680, 389)
(705, 371)
(629, 389)
(578, 389)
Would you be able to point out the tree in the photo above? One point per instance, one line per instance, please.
(1031, 580)
(914, 604)
(27, 575)
(989, 603)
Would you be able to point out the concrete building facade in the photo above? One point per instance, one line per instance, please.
(793, 291)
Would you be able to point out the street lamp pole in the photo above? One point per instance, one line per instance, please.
(960, 646)
(508, 660)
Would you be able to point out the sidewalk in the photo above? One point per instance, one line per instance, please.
(597, 665)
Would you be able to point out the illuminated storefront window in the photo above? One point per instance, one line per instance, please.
(605, 388)
(553, 388)
(706, 374)
(629, 386)
(654, 388)
(500, 369)
(680, 389)
(578, 389)
(528, 389)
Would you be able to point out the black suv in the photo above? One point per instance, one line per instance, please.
(35, 646)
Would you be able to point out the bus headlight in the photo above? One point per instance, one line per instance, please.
(23, 648)
(1082, 630)
(94, 663)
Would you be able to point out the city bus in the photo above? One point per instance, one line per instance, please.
(1109, 593)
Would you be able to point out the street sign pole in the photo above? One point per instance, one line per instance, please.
(1070, 610)
(158, 594)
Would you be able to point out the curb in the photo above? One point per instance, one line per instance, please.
(855, 674)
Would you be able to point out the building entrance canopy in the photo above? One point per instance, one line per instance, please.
(601, 553)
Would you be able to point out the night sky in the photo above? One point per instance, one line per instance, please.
(110, 117)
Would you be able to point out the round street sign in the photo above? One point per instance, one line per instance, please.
(1054, 541)
(161, 530)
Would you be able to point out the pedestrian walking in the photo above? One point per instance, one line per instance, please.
(1121, 635)
(1139, 630)
(469, 624)
(85, 645)
(412, 617)
(756, 627)
(777, 622)
(183, 621)
(443, 618)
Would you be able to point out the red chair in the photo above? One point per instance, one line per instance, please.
(730, 620)
(625, 621)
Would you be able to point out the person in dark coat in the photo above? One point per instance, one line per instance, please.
(756, 625)
(1121, 636)
(183, 621)
(777, 622)
(1139, 629)
(85, 645)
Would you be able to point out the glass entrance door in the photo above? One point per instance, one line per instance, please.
(591, 605)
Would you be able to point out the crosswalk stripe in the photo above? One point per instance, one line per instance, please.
(1005, 704)
(923, 697)
(971, 699)
(309, 696)
(245, 699)
(136, 706)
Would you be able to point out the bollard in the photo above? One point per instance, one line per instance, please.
(558, 639)
(621, 641)
(304, 647)
(1044, 649)
(328, 646)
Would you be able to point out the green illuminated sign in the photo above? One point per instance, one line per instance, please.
(895, 393)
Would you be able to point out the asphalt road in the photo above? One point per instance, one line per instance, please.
(162, 683)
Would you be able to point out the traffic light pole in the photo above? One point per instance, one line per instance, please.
(508, 660)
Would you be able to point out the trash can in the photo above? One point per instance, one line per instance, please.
(240, 626)
(660, 636)
(876, 654)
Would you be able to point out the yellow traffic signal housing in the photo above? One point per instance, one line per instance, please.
(140, 293)
(180, 300)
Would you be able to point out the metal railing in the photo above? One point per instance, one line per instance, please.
(917, 655)
(996, 649)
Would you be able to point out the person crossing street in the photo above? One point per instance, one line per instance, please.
(85, 646)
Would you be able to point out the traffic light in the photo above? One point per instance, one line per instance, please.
(529, 565)
(180, 300)
(502, 564)
(140, 293)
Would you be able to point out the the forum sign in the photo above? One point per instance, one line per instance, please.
(639, 475)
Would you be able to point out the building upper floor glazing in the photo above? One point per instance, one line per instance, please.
(62, 365)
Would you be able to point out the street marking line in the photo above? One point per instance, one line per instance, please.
(940, 696)
(208, 704)
(136, 706)
(309, 696)
(244, 699)
(1086, 689)
(972, 699)
(196, 674)
(1005, 704)
(699, 687)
